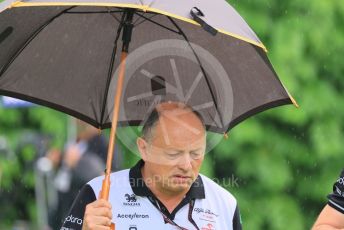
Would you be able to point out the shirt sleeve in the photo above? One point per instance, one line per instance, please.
(237, 220)
(336, 198)
(75, 216)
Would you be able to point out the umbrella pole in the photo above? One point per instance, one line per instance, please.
(126, 37)
(106, 182)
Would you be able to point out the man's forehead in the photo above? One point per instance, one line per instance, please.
(181, 115)
(180, 128)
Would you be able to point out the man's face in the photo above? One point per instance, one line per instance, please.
(175, 152)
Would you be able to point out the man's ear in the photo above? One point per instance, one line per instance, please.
(142, 145)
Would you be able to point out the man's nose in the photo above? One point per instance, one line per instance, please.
(185, 162)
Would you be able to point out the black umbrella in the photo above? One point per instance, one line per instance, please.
(64, 55)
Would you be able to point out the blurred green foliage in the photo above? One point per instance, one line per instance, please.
(287, 159)
(280, 164)
(25, 135)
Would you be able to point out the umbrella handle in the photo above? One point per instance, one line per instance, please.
(104, 194)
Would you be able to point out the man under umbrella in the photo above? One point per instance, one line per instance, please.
(64, 41)
(164, 190)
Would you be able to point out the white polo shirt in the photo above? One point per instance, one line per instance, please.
(206, 206)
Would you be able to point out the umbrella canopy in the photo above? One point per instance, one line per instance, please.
(64, 55)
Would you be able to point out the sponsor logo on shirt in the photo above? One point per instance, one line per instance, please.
(208, 227)
(132, 216)
(73, 220)
(206, 215)
(205, 211)
(341, 180)
(131, 200)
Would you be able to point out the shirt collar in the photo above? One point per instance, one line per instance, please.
(140, 188)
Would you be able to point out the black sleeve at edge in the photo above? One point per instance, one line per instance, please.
(75, 216)
(237, 220)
